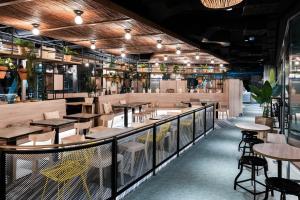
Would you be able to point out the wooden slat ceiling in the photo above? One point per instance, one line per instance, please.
(100, 23)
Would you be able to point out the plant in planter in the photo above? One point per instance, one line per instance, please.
(91, 86)
(163, 67)
(24, 46)
(5, 65)
(263, 95)
(175, 69)
(68, 53)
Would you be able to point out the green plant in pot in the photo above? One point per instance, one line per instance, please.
(24, 46)
(163, 67)
(5, 65)
(68, 53)
(175, 69)
(263, 95)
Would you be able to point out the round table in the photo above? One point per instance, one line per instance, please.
(252, 126)
(279, 152)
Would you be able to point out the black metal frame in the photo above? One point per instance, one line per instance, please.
(114, 150)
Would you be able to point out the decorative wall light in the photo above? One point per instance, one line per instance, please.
(78, 19)
(220, 4)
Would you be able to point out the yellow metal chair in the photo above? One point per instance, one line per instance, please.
(72, 165)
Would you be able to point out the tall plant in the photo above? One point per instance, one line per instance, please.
(263, 95)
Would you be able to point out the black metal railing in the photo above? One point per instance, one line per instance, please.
(99, 169)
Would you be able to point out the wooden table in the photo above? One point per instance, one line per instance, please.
(279, 152)
(75, 103)
(252, 126)
(189, 103)
(55, 124)
(82, 117)
(11, 134)
(132, 105)
(101, 132)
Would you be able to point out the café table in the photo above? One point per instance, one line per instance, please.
(279, 152)
(82, 117)
(11, 134)
(101, 132)
(127, 106)
(252, 126)
(55, 124)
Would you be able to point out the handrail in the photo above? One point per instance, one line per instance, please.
(92, 142)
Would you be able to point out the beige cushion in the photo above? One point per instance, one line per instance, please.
(123, 101)
(107, 108)
(51, 115)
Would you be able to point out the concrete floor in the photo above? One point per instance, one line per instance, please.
(206, 171)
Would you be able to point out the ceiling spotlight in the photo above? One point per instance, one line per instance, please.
(93, 45)
(197, 57)
(229, 9)
(185, 61)
(297, 62)
(159, 45)
(178, 51)
(246, 40)
(87, 64)
(127, 34)
(251, 38)
(123, 55)
(221, 65)
(212, 62)
(165, 58)
(156, 64)
(78, 19)
(35, 30)
(189, 64)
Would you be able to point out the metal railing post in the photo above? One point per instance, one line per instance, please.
(154, 149)
(214, 117)
(114, 169)
(194, 127)
(2, 176)
(205, 122)
(178, 135)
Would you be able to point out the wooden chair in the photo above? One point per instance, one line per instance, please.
(52, 115)
(88, 106)
(223, 110)
(83, 126)
(35, 140)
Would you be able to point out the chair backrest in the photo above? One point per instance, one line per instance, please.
(52, 115)
(123, 101)
(223, 105)
(194, 100)
(89, 100)
(82, 157)
(264, 121)
(42, 138)
(107, 108)
(73, 139)
(163, 130)
(82, 126)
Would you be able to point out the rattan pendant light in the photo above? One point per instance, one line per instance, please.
(219, 4)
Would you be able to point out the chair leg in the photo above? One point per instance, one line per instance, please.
(44, 189)
(85, 186)
(266, 193)
(236, 178)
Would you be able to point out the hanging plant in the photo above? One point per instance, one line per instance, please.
(175, 69)
(68, 53)
(163, 67)
(24, 46)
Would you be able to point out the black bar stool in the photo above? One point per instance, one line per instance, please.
(247, 134)
(254, 162)
(282, 185)
(249, 142)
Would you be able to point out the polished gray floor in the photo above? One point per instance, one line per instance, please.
(206, 171)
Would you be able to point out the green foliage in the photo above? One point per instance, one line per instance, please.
(7, 62)
(262, 95)
(68, 51)
(272, 78)
(175, 69)
(143, 65)
(91, 85)
(162, 67)
(23, 43)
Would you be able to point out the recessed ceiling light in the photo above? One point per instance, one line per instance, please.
(159, 44)
(251, 38)
(35, 30)
(127, 34)
(78, 19)
(229, 9)
(246, 40)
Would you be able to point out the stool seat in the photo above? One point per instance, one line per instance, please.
(253, 141)
(283, 185)
(249, 133)
(253, 160)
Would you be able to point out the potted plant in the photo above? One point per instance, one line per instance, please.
(3, 68)
(162, 67)
(263, 95)
(68, 53)
(175, 69)
(24, 46)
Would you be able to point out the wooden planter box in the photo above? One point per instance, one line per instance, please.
(3, 70)
(22, 74)
(67, 58)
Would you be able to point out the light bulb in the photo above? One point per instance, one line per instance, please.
(35, 30)
(212, 62)
(123, 55)
(87, 64)
(127, 34)
(159, 45)
(185, 61)
(189, 64)
(178, 52)
(165, 58)
(297, 62)
(156, 64)
(93, 46)
(197, 57)
(78, 19)
(221, 65)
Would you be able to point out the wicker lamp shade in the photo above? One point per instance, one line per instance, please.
(219, 4)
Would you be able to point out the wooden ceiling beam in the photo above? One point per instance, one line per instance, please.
(125, 19)
(124, 46)
(116, 38)
(13, 2)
